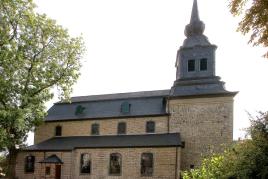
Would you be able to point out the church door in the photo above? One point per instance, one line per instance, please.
(58, 172)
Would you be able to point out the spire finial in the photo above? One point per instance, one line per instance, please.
(195, 13)
(196, 26)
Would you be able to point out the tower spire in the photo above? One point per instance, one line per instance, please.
(195, 13)
(196, 26)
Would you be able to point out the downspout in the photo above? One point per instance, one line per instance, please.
(168, 111)
(176, 165)
(72, 163)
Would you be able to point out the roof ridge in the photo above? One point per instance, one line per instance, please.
(114, 96)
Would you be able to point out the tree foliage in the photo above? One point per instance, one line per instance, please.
(36, 56)
(254, 21)
(247, 159)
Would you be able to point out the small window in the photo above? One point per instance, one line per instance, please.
(125, 108)
(191, 65)
(79, 110)
(95, 129)
(115, 164)
(191, 166)
(121, 128)
(203, 64)
(147, 164)
(29, 164)
(58, 131)
(47, 170)
(150, 127)
(85, 164)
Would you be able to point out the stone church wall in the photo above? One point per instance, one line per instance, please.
(39, 171)
(107, 127)
(204, 124)
(164, 164)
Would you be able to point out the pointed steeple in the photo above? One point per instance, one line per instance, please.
(195, 13)
(196, 26)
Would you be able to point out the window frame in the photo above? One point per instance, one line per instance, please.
(151, 156)
(90, 164)
(26, 170)
(97, 125)
(58, 127)
(125, 107)
(119, 132)
(120, 164)
(206, 64)
(189, 67)
(147, 127)
(48, 170)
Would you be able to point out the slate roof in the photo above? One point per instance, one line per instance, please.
(116, 96)
(118, 141)
(52, 159)
(148, 103)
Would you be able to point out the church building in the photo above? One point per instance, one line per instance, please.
(138, 135)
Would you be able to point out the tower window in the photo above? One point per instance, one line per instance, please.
(95, 129)
(115, 164)
(125, 108)
(121, 128)
(58, 131)
(147, 164)
(85, 163)
(29, 164)
(203, 64)
(150, 127)
(191, 65)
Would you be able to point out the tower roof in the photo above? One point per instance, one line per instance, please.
(195, 13)
(195, 29)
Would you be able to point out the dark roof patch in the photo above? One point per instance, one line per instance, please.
(118, 141)
(52, 159)
(108, 106)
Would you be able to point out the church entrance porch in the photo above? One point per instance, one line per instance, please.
(51, 167)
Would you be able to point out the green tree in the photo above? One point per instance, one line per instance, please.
(254, 20)
(247, 159)
(36, 56)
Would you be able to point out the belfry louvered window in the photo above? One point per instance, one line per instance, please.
(203, 64)
(191, 65)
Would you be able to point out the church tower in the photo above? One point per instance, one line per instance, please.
(200, 108)
(196, 61)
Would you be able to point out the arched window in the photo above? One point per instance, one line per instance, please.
(58, 131)
(125, 107)
(150, 126)
(95, 129)
(29, 164)
(147, 164)
(115, 164)
(121, 128)
(85, 163)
